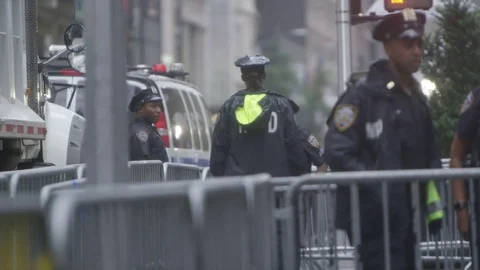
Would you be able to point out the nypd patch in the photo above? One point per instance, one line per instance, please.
(468, 102)
(142, 136)
(344, 116)
(313, 141)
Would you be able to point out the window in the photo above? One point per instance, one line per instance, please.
(193, 121)
(202, 123)
(178, 118)
(208, 115)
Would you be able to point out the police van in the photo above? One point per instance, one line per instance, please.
(185, 124)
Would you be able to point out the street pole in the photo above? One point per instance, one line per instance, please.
(344, 39)
(106, 133)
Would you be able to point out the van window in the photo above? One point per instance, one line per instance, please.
(193, 121)
(207, 113)
(201, 122)
(177, 115)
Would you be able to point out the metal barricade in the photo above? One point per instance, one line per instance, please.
(146, 171)
(23, 242)
(317, 228)
(158, 235)
(444, 254)
(47, 191)
(178, 225)
(206, 173)
(177, 171)
(235, 223)
(32, 181)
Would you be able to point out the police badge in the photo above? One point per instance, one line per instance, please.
(344, 116)
(142, 136)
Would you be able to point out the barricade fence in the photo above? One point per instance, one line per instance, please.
(31, 181)
(320, 244)
(446, 253)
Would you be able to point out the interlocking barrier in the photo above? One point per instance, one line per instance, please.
(23, 240)
(176, 171)
(32, 180)
(180, 225)
(146, 171)
(447, 254)
(321, 245)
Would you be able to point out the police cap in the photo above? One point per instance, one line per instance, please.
(408, 24)
(252, 60)
(142, 97)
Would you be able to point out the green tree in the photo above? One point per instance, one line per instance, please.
(452, 58)
(314, 103)
(280, 75)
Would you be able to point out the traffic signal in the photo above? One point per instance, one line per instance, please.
(394, 5)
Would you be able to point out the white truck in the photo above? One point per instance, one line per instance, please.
(33, 132)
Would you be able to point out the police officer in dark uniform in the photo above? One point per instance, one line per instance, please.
(466, 141)
(383, 123)
(145, 142)
(311, 145)
(255, 129)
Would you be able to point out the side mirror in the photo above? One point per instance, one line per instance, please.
(73, 38)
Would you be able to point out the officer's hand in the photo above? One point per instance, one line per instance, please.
(434, 227)
(322, 168)
(463, 223)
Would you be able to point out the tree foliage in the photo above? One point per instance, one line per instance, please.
(314, 100)
(452, 55)
(280, 75)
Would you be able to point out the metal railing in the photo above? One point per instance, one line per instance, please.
(310, 199)
(178, 225)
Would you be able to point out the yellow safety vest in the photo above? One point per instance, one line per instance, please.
(251, 110)
(434, 208)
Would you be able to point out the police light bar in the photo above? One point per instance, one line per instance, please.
(395, 5)
(159, 69)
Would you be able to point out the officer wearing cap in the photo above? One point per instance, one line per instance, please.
(382, 122)
(145, 142)
(466, 141)
(255, 131)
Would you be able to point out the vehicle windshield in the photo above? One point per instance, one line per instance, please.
(70, 93)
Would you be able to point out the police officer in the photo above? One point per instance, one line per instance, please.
(255, 129)
(465, 141)
(311, 145)
(383, 123)
(145, 142)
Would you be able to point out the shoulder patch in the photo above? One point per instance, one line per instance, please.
(142, 136)
(468, 102)
(344, 116)
(312, 140)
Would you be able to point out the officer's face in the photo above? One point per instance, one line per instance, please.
(407, 54)
(151, 111)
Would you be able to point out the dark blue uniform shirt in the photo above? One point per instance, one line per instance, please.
(145, 142)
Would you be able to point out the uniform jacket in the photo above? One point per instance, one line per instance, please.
(370, 130)
(255, 132)
(145, 142)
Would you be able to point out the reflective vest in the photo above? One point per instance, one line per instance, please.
(251, 110)
(434, 208)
